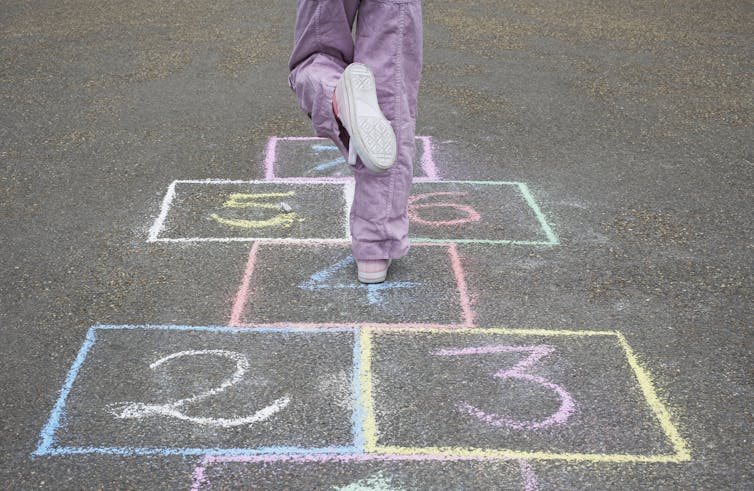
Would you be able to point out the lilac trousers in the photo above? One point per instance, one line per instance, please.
(389, 41)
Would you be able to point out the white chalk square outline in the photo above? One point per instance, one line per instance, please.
(159, 224)
(348, 192)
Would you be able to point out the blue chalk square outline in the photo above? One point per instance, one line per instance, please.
(47, 439)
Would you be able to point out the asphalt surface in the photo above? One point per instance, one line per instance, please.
(590, 328)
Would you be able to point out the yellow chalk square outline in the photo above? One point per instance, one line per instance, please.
(682, 452)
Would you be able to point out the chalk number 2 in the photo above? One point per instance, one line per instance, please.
(139, 410)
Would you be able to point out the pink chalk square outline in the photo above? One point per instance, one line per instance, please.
(200, 479)
(243, 295)
(427, 162)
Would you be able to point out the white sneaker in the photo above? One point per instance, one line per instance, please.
(372, 137)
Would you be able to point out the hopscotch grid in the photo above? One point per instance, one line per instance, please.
(371, 450)
(681, 452)
(159, 224)
(362, 362)
(47, 447)
(242, 296)
(365, 440)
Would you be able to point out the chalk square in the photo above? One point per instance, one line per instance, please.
(316, 285)
(266, 391)
(478, 212)
(318, 158)
(252, 210)
(358, 472)
(470, 393)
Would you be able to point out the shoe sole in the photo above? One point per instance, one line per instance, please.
(371, 133)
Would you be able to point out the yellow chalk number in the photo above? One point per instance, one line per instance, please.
(258, 201)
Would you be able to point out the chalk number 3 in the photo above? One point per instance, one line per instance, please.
(517, 372)
(139, 410)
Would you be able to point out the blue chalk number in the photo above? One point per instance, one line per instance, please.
(374, 292)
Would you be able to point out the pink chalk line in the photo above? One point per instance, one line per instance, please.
(463, 290)
(355, 457)
(427, 161)
(269, 158)
(244, 290)
(199, 476)
(528, 476)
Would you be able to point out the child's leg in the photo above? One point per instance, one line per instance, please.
(323, 47)
(389, 42)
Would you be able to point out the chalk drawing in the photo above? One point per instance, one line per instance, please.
(376, 451)
(246, 200)
(243, 295)
(517, 372)
(48, 444)
(330, 164)
(319, 281)
(528, 475)
(427, 162)
(159, 225)
(413, 206)
(375, 482)
(364, 427)
(138, 410)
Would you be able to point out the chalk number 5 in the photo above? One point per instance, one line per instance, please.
(258, 201)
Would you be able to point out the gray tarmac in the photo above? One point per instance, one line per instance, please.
(602, 312)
